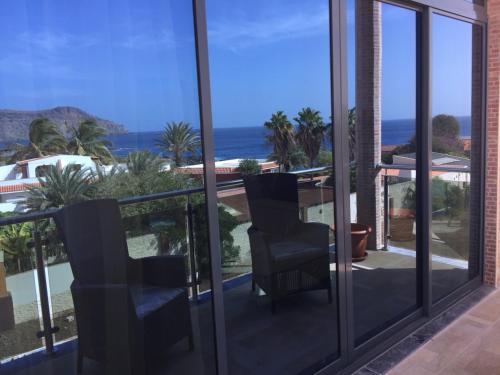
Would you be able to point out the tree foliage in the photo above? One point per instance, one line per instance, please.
(281, 137)
(445, 137)
(352, 119)
(88, 140)
(249, 167)
(43, 139)
(14, 243)
(177, 139)
(140, 162)
(310, 133)
(60, 187)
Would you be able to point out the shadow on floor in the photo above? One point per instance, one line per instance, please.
(300, 338)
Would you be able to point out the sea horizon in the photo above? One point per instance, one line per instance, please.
(249, 142)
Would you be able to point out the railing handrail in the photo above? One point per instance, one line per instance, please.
(48, 213)
(412, 167)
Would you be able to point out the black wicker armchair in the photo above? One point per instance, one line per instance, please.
(127, 310)
(288, 255)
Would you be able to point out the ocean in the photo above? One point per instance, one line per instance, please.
(250, 142)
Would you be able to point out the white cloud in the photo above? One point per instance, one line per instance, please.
(51, 42)
(163, 39)
(239, 34)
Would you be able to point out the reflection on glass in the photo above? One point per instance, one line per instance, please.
(102, 111)
(383, 202)
(272, 123)
(456, 154)
(19, 316)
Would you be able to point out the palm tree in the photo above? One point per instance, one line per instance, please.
(88, 139)
(60, 187)
(177, 139)
(282, 139)
(43, 139)
(310, 132)
(139, 162)
(351, 120)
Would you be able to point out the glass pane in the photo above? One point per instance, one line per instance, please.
(20, 317)
(271, 98)
(382, 128)
(104, 104)
(456, 158)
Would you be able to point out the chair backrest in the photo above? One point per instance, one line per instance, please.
(273, 200)
(94, 238)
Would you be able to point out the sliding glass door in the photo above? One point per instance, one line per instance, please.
(272, 128)
(456, 153)
(382, 58)
(292, 185)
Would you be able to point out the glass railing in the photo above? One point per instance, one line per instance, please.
(173, 223)
(450, 193)
(38, 274)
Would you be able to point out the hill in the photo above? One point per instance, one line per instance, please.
(14, 124)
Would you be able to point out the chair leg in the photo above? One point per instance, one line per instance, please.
(191, 342)
(253, 285)
(79, 362)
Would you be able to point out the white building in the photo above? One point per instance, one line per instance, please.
(439, 161)
(15, 179)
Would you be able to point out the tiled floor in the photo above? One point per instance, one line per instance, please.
(470, 345)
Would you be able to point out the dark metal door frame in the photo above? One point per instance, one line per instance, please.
(350, 356)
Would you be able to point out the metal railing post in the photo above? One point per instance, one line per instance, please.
(48, 330)
(386, 210)
(192, 256)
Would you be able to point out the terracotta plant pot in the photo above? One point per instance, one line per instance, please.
(401, 225)
(359, 239)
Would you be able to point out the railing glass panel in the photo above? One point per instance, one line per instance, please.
(20, 311)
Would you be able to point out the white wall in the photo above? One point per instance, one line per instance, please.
(84, 161)
(8, 172)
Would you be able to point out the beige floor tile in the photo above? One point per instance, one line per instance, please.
(469, 346)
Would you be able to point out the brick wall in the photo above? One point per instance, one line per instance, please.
(475, 151)
(492, 227)
(368, 123)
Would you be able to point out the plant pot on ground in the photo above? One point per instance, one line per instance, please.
(359, 241)
(402, 220)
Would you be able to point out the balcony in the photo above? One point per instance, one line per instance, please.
(142, 248)
(384, 282)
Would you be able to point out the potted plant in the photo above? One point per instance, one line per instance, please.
(402, 220)
(359, 240)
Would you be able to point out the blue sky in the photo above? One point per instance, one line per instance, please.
(133, 62)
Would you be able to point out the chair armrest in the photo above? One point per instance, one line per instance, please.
(314, 233)
(163, 270)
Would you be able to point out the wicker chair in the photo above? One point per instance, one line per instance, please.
(288, 255)
(127, 310)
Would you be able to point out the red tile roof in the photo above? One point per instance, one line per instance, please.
(17, 187)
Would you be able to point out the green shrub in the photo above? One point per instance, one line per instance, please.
(249, 167)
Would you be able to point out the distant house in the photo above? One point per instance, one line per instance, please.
(440, 161)
(227, 170)
(16, 179)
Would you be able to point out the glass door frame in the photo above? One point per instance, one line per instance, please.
(352, 357)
